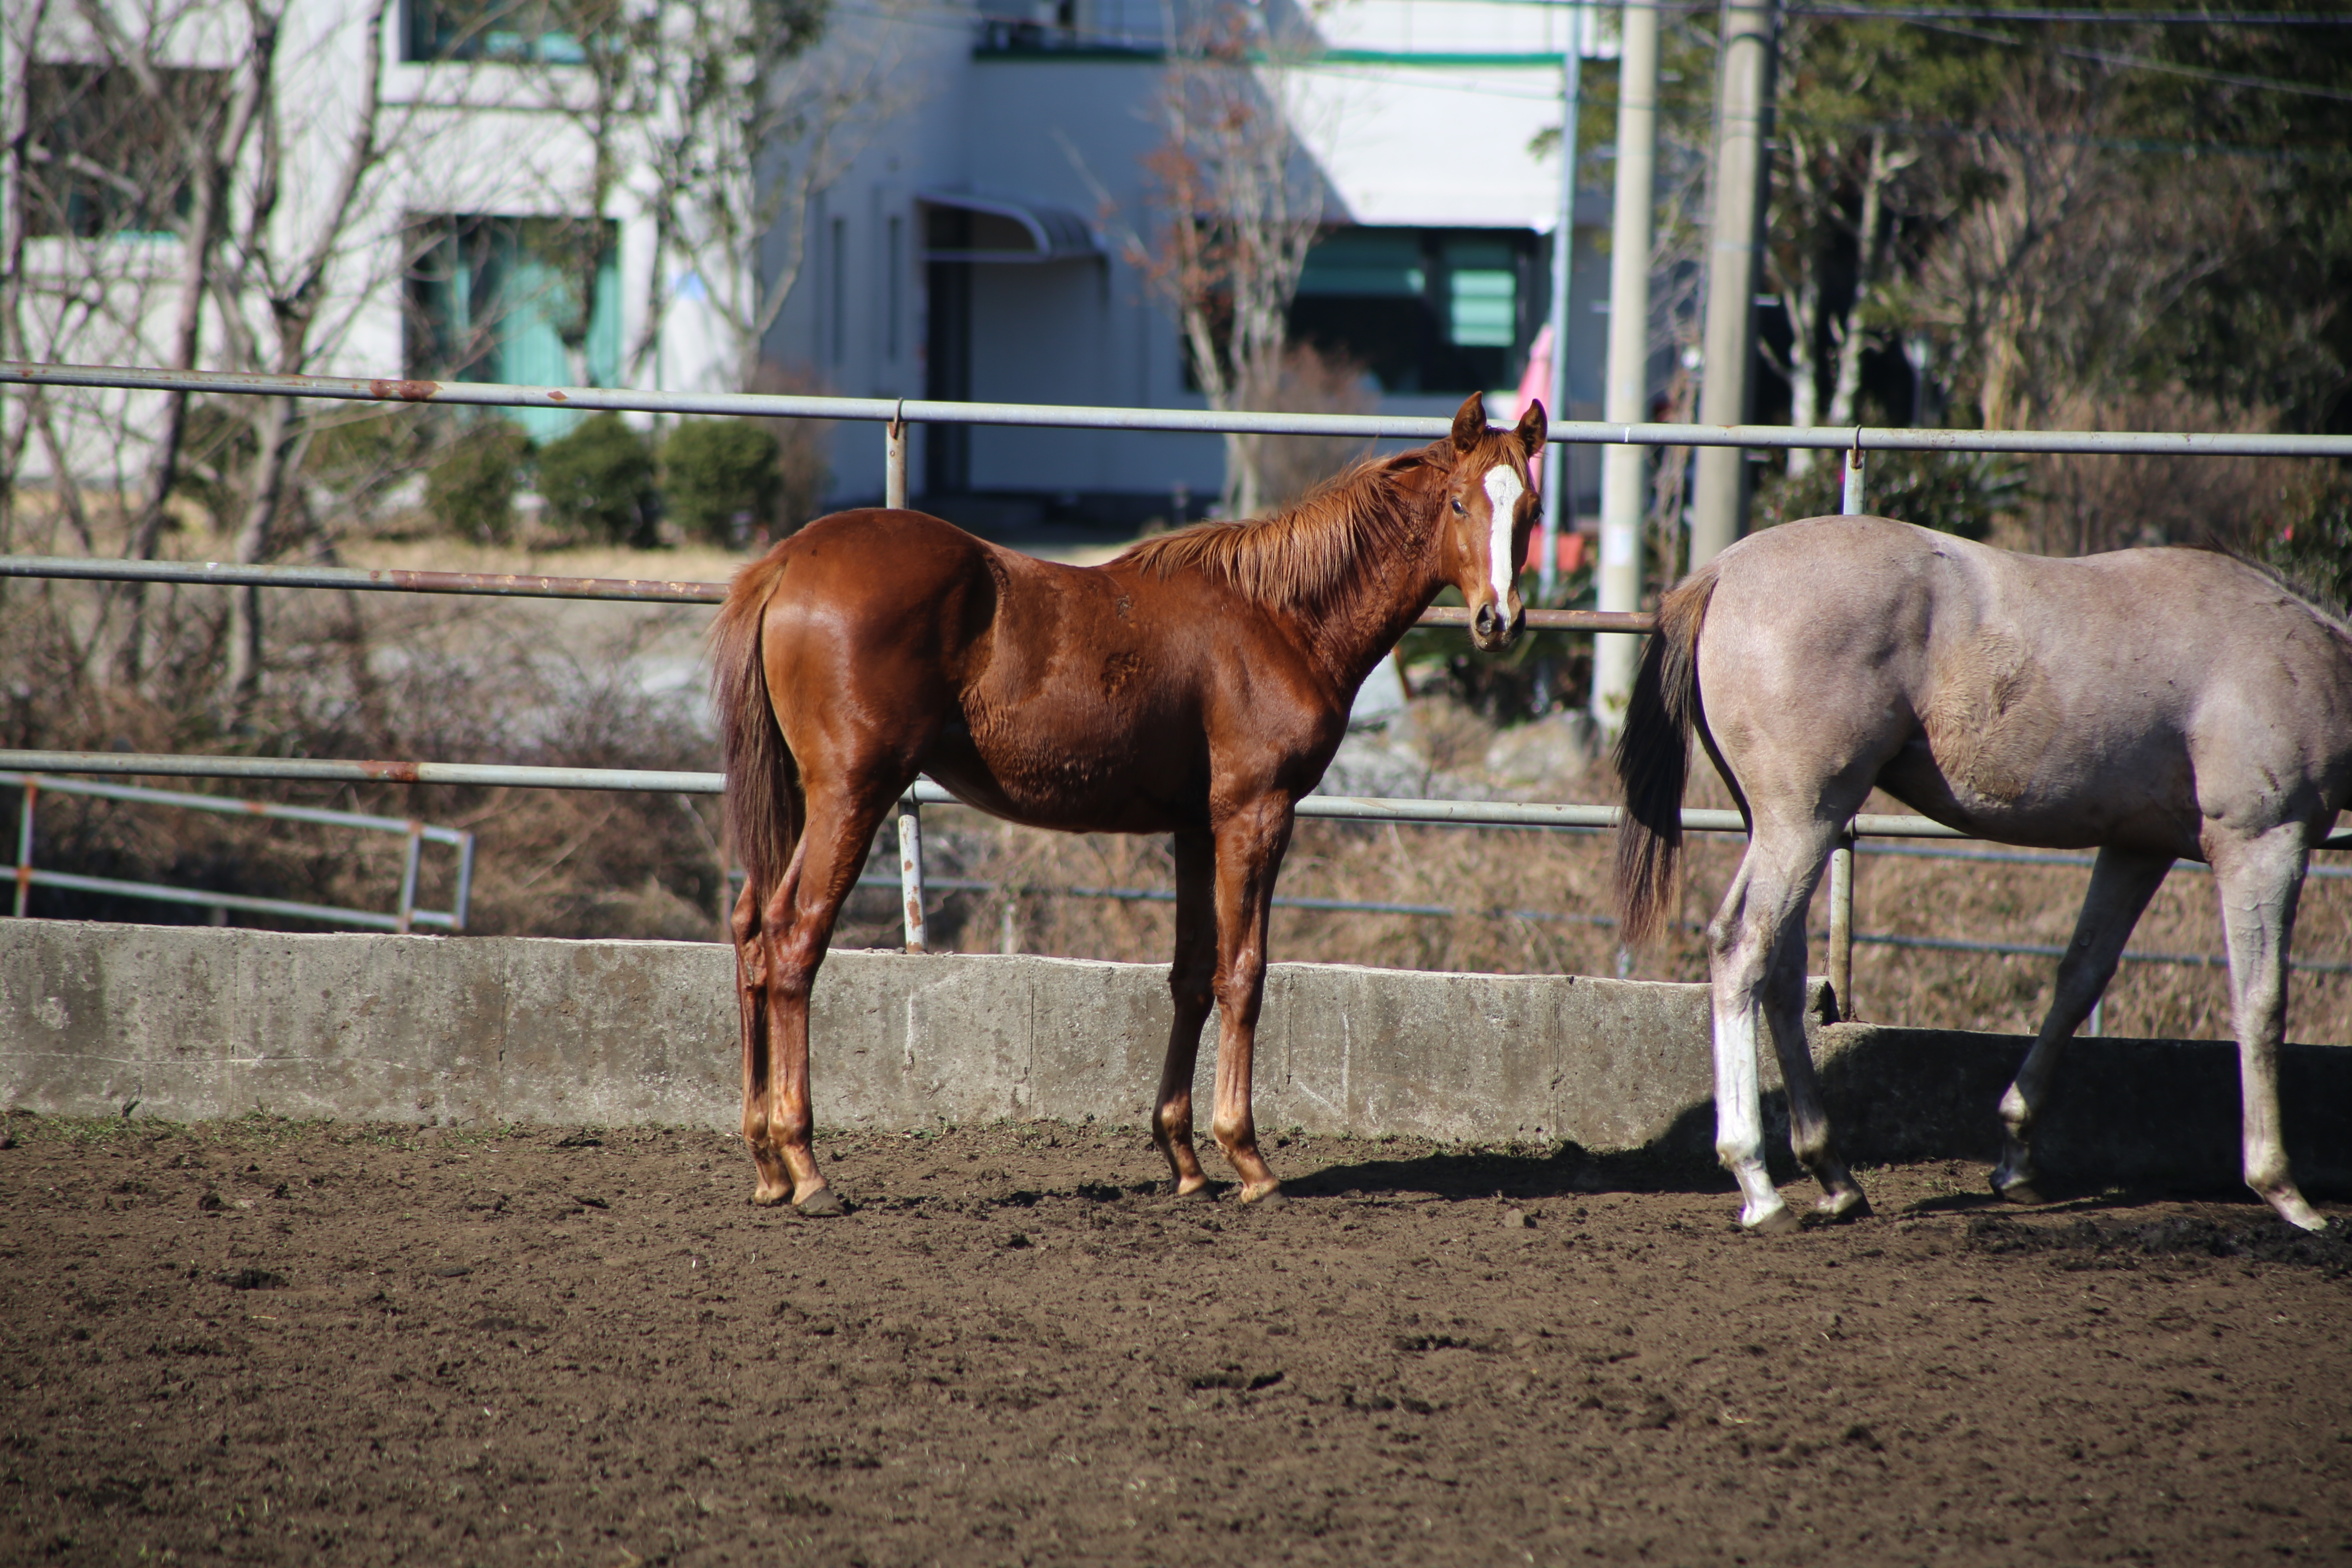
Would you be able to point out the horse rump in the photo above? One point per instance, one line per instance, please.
(1652, 762)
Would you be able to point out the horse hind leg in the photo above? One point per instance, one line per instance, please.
(1808, 1123)
(796, 923)
(2259, 883)
(2122, 882)
(1759, 926)
(751, 972)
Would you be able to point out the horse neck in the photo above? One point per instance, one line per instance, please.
(1377, 601)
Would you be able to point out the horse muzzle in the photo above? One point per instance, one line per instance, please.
(1490, 632)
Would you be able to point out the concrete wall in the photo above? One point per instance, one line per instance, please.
(190, 1023)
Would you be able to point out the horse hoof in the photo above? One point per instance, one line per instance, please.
(1271, 1198)
(1849, 1204)
(822, 1203)
(1202, 1193)
(768, 1197)
(2303, 1217)
(2020, 1192)
(1778, 1222)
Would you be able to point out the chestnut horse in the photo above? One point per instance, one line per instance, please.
(2157, 705)
(1196, 686)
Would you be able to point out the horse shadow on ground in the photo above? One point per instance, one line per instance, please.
(1682, 1160)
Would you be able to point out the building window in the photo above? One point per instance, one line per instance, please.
(101, 158)
(507, 31)
(1423, 310)
(1482, 295)
(527, 301)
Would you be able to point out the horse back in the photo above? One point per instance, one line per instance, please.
(2127, 698)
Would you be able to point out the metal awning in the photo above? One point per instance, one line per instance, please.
(963, 226)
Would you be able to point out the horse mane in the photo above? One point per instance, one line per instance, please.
(1301, 554)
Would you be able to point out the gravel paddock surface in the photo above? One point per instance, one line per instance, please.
(260, 1342)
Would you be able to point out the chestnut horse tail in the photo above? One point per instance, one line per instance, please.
(1652, 758)
(761, 777)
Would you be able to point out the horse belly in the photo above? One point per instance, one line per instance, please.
(2058, 798)
(1126, 778)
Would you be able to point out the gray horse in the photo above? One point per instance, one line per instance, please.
(2154, 704)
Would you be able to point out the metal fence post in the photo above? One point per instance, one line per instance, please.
(408, 878)
(466, 885)
(25, 845)
(1842, 927)
(894, 461)
(910, 869)
(1852, 503)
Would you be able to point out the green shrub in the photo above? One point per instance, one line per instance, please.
(599, 479)
(1952, 493)
(721, 479)
(471, 487)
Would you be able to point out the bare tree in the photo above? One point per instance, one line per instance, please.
(723, 121)
(278, 312)
(1239, 205)
(2058, 252)
(1832, 189)
(115, 147)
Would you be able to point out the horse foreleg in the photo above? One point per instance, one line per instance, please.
(2122, 882)
(751, 1005)
(1809, 1123)
(2259, 884)
(1250, 845)
(1189, 975)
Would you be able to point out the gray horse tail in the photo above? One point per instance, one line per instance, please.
(1652, 758)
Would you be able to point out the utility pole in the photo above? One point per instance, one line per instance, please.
(1742, 122)
(1624, 470)
(1563, 261)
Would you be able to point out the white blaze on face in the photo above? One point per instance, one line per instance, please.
(1503, 492)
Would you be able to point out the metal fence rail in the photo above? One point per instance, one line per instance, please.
(922, 411)
(1557, 917)
(404, 917)
(525, 585)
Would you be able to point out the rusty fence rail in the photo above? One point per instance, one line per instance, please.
(527, 585)
(404, 916)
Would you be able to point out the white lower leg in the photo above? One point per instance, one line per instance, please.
(1739, 1119)
(2266, 1167)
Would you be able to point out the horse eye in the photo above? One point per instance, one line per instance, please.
(1457, 506)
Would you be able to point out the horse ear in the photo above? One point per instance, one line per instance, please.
(1470, 423)
(1532, 426)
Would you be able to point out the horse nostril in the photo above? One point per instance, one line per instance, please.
(1485, 620)
(1519, 621)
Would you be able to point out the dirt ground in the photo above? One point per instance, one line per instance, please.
(268, 1342)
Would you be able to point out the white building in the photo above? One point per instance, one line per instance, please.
(970, 249)
(974, 250)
